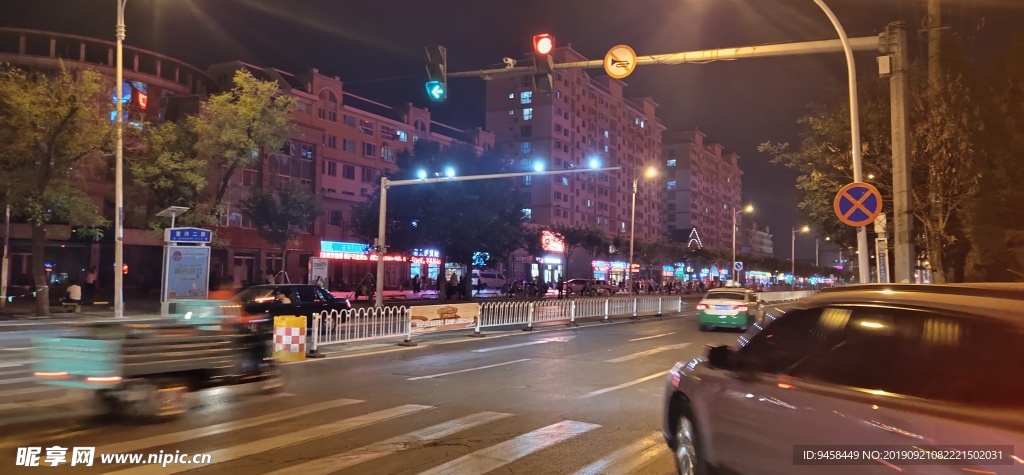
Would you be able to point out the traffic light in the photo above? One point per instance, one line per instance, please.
(437, 73)
(543, 63)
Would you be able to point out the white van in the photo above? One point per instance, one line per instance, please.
(489, 278)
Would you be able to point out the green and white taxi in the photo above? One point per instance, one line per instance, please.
(729, 308)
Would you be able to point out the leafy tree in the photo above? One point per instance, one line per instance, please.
(996, 225)
(943, 127)
(166, 170)
(458, 218)
(281, 214)
(234, 128)
(51, 127)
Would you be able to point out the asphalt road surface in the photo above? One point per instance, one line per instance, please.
(555, 401)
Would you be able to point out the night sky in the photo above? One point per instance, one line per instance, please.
(376, 47)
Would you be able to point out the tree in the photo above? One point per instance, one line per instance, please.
(281, 214)
(235, 128)
(996, 225)
(943, 127)
(579, 236)
(166, 170)
(459, 218)
(51, 127)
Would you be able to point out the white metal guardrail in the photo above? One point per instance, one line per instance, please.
(773, 297)
(373, 323)
(360, 324)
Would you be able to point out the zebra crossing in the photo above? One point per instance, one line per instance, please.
(401, 435)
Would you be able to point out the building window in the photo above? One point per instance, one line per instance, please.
(348, 145)
(387, 132)
(369, 149)
(526, 80)
(528, 113)
(332, 141)
(605, 134)
(672, 185)
(526, 131)
(511, 95)
(369, 175)
(350, 121)
(334, 218)
(565, 181)
(250, 178)
(525, 148)
(348, 172)
(527, 213)
(328, 106)
(366, 127)
(331, 168)
(671, 162)
(401, 136)
(307, 151)
(306, 108)
(526, 97)
(511, 112)
(386, 153)
(527, 180)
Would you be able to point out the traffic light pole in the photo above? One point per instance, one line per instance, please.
(868, 43)
(385, 184)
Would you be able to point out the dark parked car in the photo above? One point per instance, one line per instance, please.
(292, 299)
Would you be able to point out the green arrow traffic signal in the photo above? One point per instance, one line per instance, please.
(435, 90)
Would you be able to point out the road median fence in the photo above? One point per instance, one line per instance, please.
(389, 322)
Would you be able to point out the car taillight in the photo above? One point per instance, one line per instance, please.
(103, 379)
(51, 374)
(701, 306)
(742, 308)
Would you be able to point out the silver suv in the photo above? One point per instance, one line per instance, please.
(901, 368)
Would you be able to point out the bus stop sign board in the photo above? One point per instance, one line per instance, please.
(858, 204)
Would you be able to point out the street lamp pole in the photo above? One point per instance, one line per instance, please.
(632, 235)
(382, 217)
(792, 263)
(735, 213)
(816, 252)
(119, 169)
(858, 174)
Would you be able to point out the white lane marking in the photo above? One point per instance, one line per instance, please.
(16, 349)
(558, 339)
(628, 459)
(626, 385)
(351, 458)
(467, 370)
(167, 439)
(16, 380)
(497, 456)
(647, 353)
(16, 371)
(32, 390)
(15, 364)
(249, 449)
(653, 336)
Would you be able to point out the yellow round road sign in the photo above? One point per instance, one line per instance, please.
(620, 61)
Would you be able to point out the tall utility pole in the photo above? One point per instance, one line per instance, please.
(119, 169)
(934, 27)
(895, 47)
(5, 267)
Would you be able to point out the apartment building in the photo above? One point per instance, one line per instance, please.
(756, 240)
(585, 122)
(703, 186)
(340, 145)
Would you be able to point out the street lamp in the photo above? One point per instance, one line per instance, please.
(651, 172)
(855, 141)
(816, 264)
(385, 184)
(735, 212)
(792, 274)
(119, 169)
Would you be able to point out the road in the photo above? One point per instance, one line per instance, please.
(555, 401)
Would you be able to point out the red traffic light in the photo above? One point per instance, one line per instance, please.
(543, 44)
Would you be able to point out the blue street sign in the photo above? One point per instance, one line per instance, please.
(858, 204)
(738, 266)
(188, 235)
(435, 90)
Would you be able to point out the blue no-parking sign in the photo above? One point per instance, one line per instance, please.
(858, 204)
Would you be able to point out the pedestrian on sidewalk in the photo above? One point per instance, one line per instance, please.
(74, 292)
(416, 284)
(561, 288)
(90, 283)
